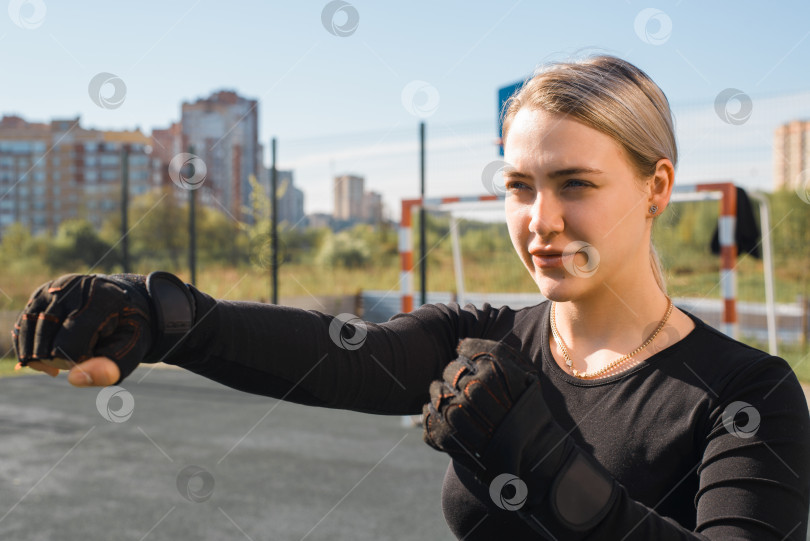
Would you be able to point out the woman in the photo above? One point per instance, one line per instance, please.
(603, 413)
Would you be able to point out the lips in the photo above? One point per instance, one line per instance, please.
(546, 259)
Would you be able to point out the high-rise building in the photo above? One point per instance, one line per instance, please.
(290, 204)
(99, 167)
(349, 197)
(166, 144)
(53, 172)
(373, 208)
(26, 195)
(791, 154)
(223, 130)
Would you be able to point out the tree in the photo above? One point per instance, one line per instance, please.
(220, 238)
(158, 230)
(17, 242)
(77, 246)
(258, 230)
(344, 249)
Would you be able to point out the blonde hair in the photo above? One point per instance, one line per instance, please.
(614, 97)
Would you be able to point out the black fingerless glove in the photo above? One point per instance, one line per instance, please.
(129, 318)
(489, 415)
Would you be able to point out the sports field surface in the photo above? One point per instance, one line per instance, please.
(174, 456)
(185, 458)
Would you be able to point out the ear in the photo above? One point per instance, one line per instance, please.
(661, 183)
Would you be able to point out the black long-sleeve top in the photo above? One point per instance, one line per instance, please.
(708, 438)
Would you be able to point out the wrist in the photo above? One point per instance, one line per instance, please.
(174, 311)
(582, 492)
(528, 442)
(171, 309)
(566, 489)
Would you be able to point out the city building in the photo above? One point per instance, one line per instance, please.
(791, 154)
(57, 171)
(290, 204)
(320, 220)
(50, 172)
(353, 204)
(99, 167)
(348, 198)
(166, 144)
(24, 178)
(373, 208)
(223, 130)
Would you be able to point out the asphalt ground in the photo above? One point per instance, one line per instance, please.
(185, 458)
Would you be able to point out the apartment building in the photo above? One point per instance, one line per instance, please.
(791, 154)
(50, 172)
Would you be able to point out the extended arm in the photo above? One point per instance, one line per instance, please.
(317, 359)
(298, 355)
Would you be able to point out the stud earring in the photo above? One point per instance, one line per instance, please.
(653, 209)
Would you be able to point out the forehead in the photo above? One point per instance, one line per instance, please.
(538, 138)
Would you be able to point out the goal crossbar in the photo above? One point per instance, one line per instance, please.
(725, 192)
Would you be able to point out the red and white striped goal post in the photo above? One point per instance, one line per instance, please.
(726, 192)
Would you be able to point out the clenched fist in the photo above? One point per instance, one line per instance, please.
(111, 323)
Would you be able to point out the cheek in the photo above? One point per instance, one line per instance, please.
(619, 238)
(625, 228)
(518, 225)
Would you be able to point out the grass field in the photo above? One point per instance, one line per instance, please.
(502, 272)
(7, 365)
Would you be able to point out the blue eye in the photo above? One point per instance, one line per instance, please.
(515, 185)
(574, 183)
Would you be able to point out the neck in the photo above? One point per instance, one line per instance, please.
(613, 319)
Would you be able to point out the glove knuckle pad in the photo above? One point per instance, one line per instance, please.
(27, 332)
(454, 371)
(46, 327)
(468, 426)
(488, 402)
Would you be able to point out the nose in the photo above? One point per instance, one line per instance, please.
(546, 215)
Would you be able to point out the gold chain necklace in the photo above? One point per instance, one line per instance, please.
(613, 364)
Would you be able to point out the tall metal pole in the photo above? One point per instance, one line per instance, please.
(124, 207)
(422, 216)
(192, 230)
(274, 221)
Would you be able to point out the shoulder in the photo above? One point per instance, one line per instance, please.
(483, 312)
(721, 357)
(734, 374)
(495, 323)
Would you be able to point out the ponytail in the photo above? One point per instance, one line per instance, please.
(657, 268)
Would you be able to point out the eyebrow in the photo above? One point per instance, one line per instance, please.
(574, 171)
(571, 171)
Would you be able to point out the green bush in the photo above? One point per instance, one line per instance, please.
(344, 250)
(77, 246)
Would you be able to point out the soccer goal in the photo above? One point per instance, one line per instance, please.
(724, 192)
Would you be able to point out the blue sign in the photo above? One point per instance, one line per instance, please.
(504, 94)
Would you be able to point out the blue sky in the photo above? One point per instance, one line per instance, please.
(336, 103)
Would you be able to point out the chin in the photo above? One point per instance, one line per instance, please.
(552, 289)
(559, 288)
